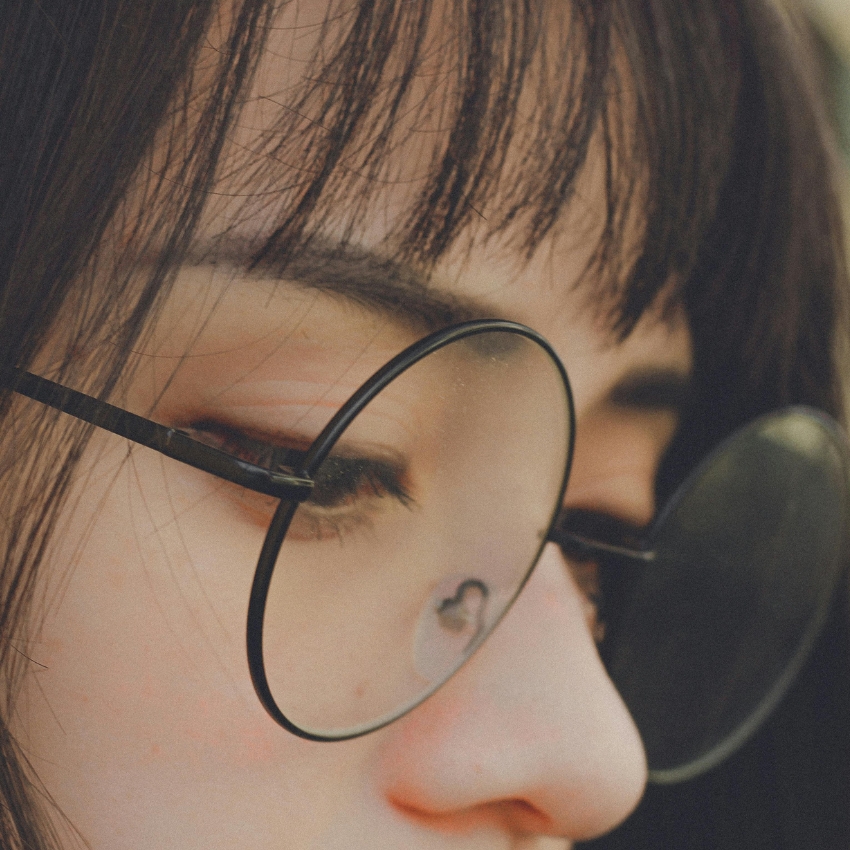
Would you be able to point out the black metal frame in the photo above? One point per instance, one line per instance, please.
(170, 442)
(294, 487)
(317, 453)
(635, 560)
(291, 488)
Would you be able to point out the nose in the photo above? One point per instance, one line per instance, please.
(530, 737)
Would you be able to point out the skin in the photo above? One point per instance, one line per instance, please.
(139, 715)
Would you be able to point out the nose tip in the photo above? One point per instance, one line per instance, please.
(592, 764)
(531, 731)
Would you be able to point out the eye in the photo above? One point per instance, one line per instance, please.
(352, 492)
(265, 452)
(349, 485)
(341, 480)
(574, 524)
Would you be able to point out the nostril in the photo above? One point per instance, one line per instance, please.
(516, 817)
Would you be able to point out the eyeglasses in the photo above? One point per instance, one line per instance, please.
(406, 528)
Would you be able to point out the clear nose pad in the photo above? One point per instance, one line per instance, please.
(464, 612)
(457, 617)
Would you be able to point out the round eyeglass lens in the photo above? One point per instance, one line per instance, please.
(428, 513)
(747, 558)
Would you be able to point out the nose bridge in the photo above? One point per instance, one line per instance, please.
(581, 744)
(533, 719)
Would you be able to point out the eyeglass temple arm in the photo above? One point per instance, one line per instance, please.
(170, 442)
(586, 548)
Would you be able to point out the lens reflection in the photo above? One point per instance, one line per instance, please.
(426, 518)
(747, 558)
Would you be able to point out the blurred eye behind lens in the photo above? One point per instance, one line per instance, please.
(603, 577)
(594, 525)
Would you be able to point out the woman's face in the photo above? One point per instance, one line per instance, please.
(139, 715)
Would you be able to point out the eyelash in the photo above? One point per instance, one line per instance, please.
(346, 490)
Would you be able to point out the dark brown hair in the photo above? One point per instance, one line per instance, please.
(711, 140)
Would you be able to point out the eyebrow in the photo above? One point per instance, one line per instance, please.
(653, 389)
(405, 294)
(383, 285)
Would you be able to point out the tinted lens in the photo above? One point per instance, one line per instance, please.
(748, 557)
(425, 520)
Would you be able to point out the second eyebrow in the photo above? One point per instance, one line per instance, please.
(654, 389)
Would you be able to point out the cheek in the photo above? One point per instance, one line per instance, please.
(138, 709)
(145, 586)
(146, 592)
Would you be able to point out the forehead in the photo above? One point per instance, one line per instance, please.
(554, 289)
(416, 135)
(551, 293)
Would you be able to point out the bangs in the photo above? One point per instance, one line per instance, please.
(505, 105)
